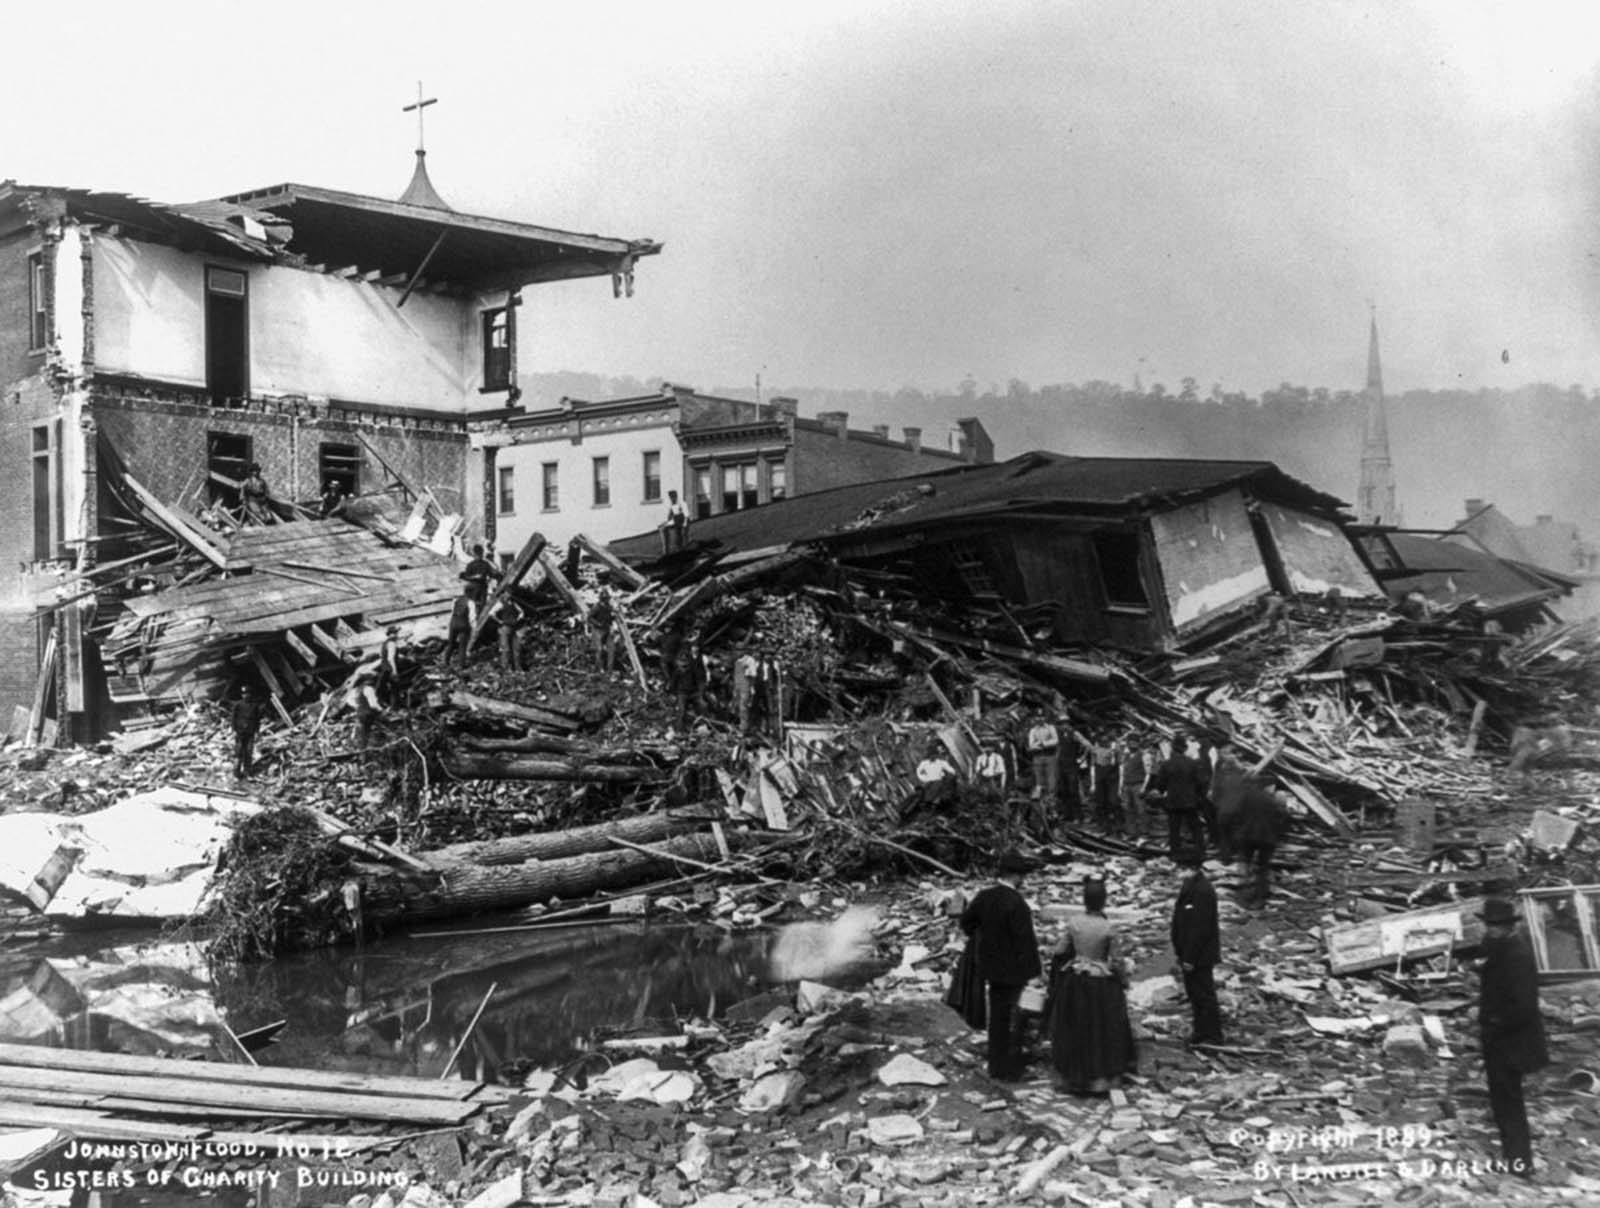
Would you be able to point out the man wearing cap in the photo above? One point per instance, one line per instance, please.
(1183, 787)
(1197, 942)
(1510, 1028)
(1008, 958)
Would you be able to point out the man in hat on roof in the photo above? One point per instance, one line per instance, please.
(1510, 1028)
(1001, 922)
(1197, 943)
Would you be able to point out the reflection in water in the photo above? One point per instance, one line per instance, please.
(395, 1007)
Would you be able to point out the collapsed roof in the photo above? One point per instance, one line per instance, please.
(334, 231)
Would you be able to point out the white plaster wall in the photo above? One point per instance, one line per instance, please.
(1317, 556)
(628, 514)
(149, 316)
(310, 333)
(68, 288)
(1210, 561)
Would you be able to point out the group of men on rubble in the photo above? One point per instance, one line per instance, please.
(1211, 800)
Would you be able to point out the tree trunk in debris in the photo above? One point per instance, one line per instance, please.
(575, 841)
(531, 714)
(511, 767)
(391, 897)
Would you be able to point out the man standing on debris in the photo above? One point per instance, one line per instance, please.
(256, 497)
(1131, 784)
(1182, 786)
(677, 522)
(1103, 782)
(477, 574)
(1510, 1028)
(332, 498)
(1197, 942)
(746, 673)
(1258, 826)
(691, 673)
(389, 666)
(1008, 959)
(936, 777)
(602, 619)
(246, 721)
(459, 637)
(1044, 752)
(990, 773)
(509, 630)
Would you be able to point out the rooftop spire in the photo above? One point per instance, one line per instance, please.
(420, 192)
(1376, 502)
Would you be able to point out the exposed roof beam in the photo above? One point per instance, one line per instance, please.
(416, 277)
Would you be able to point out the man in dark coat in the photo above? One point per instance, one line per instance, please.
(1258, 827)
(477, 574)
(1197, 942)
(1008, 958)
(1510, 1028)
(246, 721)
(1183, 787)
(458, 638)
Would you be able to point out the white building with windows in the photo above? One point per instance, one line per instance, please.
(608, 469)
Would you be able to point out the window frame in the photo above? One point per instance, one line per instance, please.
(704, 503)
(600, 481)
(652, 483)
(777, 479)
(341, 461)
(550, 486)
(505, 490)
(496, 357)
(38, 303)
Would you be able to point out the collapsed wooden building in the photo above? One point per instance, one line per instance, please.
(1136, 553)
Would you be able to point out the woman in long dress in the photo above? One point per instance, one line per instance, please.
(1091, 1040)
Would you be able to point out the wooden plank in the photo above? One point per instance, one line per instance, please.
(611, 562)
(349, 591)
(501, 708)
(627, 645)
(557, 580)
(94, 1124)
(323, 638)
(188, 1090)
(303, 652)
(177, 525)
(41, 689)
(343, 570)
(520, 565)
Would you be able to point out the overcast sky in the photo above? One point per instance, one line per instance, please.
(879, 194)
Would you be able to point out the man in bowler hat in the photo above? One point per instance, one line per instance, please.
(1510, 1028)
(1197, 943)
(1008, 958)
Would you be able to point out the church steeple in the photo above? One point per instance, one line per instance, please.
(1376, 501)
(420, 192)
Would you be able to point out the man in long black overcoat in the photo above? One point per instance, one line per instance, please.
(1008, 958)
(1510, 1028)
(1197, 944)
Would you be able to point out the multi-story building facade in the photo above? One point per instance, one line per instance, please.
(328, 336)
(607, 469)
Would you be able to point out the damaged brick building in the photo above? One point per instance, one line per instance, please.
(329, 336)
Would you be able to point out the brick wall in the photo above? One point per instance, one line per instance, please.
(822, 460)
(164, 446)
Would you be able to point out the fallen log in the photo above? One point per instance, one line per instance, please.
(575, 841)
(391, 898)
(466, 766)
(552, 744)
(531, 714)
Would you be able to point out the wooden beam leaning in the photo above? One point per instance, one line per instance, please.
(177, 525)
(520, 565)
(422, 267)
(600, 553)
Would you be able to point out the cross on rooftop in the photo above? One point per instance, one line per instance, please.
(419, 107)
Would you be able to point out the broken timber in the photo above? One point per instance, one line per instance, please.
(531, 714)
(574, 841)
(520, 566)
(502, 767)
(390, 897)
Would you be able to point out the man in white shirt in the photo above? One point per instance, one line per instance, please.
(936, 778)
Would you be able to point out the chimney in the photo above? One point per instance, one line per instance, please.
(784, 408)
(837, 421)
(1474, 506)
(881, 430)
(1546, 518)
(913, 439)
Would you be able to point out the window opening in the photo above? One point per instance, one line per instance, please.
(652, 477)
(506, 489)
(496, 349)
(228, 456)
(227, 336)
(602, 482)
(340, 464)
(1118, 556)
(550, 487)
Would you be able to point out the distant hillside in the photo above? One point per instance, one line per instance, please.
(1532, 450)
